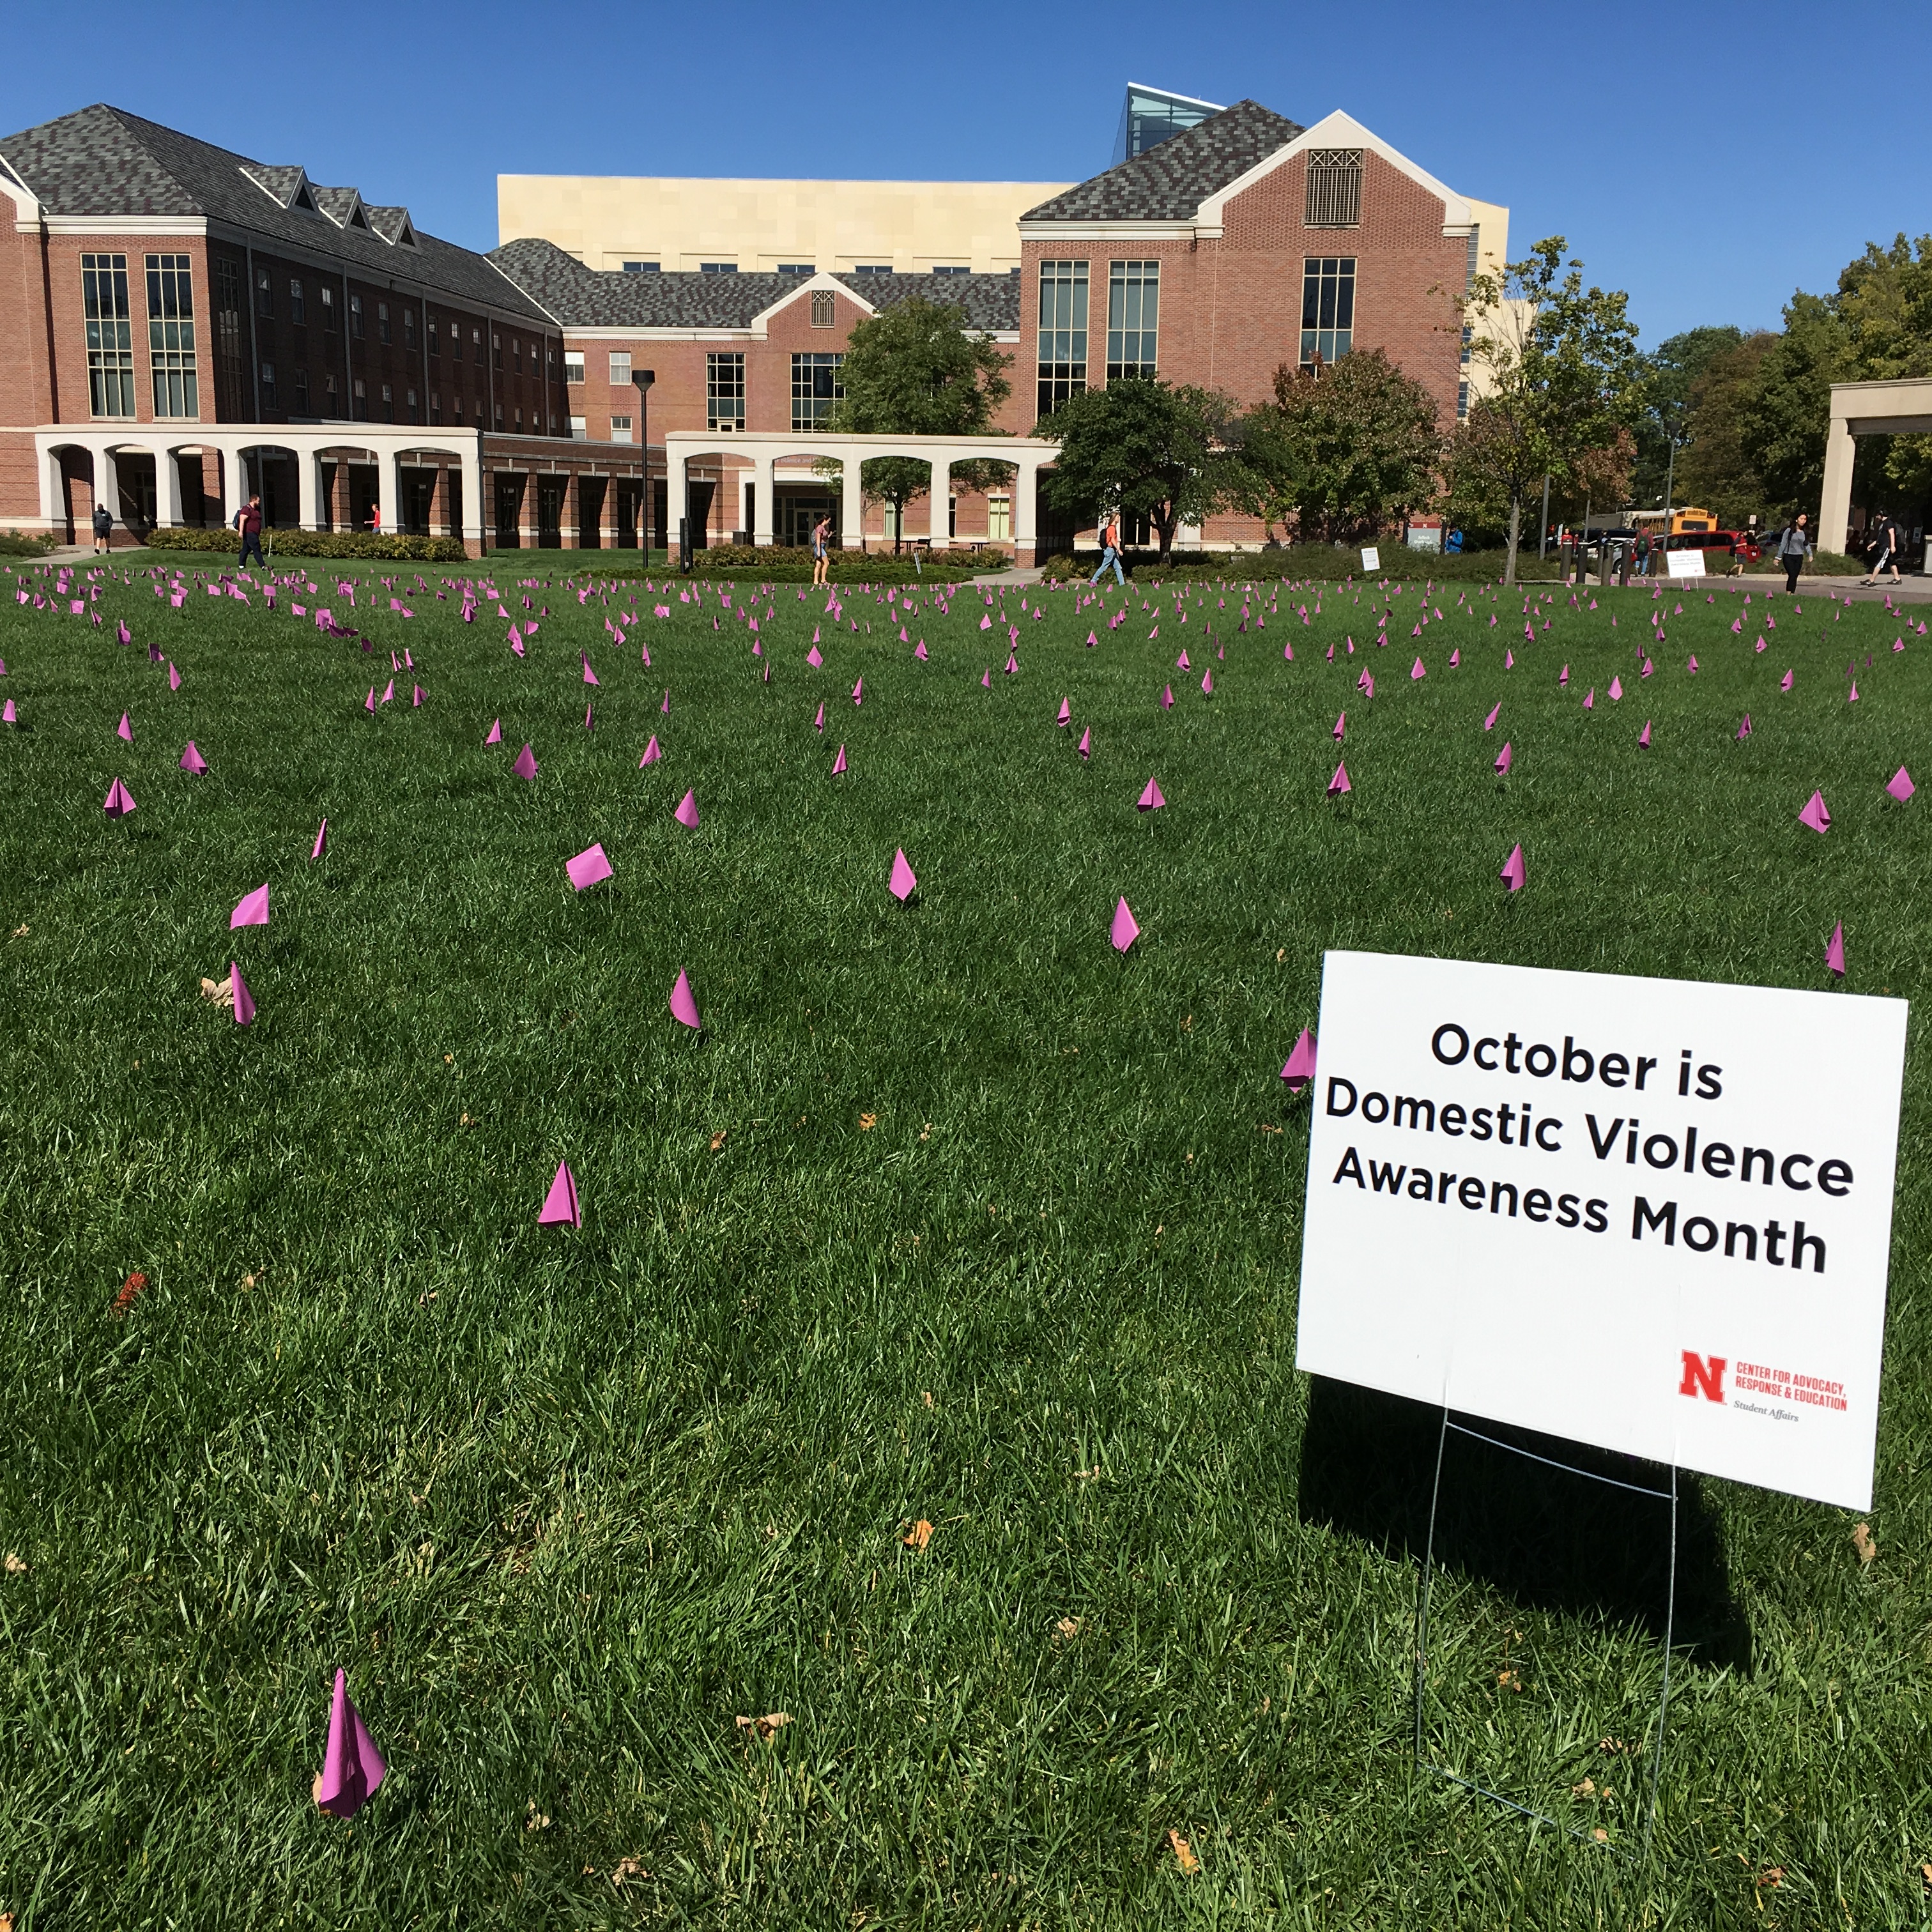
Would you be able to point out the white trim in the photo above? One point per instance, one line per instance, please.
(126, 224)
(26, 203)
(1168, 93)
(823, 279)
(1108, 231)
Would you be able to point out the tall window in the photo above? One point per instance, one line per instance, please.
(228, 335)
(360, 400)
(409, 328)
(1000, 519)
(724, 392)
(1133, 317)
(435, 341)
(1327, 308)
(476, 343)
(264, 294)
(815, 387)
(388, 405)
(821, 308)
(573, 365)
(171, 336)
(327, 305)
(382, 321)
(620, 369)
(1063, 332)
(1334, 188)
(1462, 402)
(110, 342)
(356, 315)
(268, 386)
(298, 307)
(302, 392)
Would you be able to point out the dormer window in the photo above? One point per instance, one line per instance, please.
(355, 220)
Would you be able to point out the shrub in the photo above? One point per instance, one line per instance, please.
(1311, 562)
(395, 548)
(778, 564)
(21, 543)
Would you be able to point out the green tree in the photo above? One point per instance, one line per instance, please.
(1714, 468)
(1562, 377)
(1163, 450)
(917, 369)
(1785, 411)
(1671, 372)
(1344, 453)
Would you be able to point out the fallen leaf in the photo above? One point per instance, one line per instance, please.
(1509, 1680)
(717, 1138)
(1862, 1542)
(1183, 1853)
(15, 1568)
(919, 1536)
(927, 1394)
(767, 1726)
(221, 991)
(1772, 1876)
(1586, 1790)
(925, 1132)
(131, 1290)
(1281, 953)
(1602, 1836)
(423, 1301)
(1612, 1745)
(449, 1060)
(6, 1922)
(867, 1122)
(536, 1821)
(628, 1867)
(1068, 1627)
(250, 1280)
(1266, 1129)
(1924, 1872)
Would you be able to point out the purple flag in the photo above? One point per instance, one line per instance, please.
(1167, 697)
(1416, 671)
(1341, 726)
(174, 677)
(859, 692)
(1901, 785)
(812, 658)
(1066, 717)
(526, 766)
(902, 882)
(652, 753)
(1087, 741)
(838, 762)
(1504, 759)
(590, 676)
(125, 729)
(1150, 800)
(1784, 683)
(1744, 729)
(352, 1767)
(1340, 783)
(1126, 929)
(1814, 814)
(191, 760)
(686, 814)
(1643, 736)
(588, 868)
(1616, 690)
(253, 909)
(495, 737)
(1514, 871)
(119, 801)
(918, 650)
(1300, 1067)
(321, 840)
(561, 1208)
(244, 1000)
(683, 1006)
(1835, 950)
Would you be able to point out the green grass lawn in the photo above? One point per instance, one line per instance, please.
(951, 1214)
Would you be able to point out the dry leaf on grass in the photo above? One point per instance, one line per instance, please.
(867, 1122)
(1509, 1680)
(919, 1536)
(1862, 1542)
(1772, 1876)
(19, 932)
(1184, 1854)
(628, 1867)
(15, 1568)
(926, 1394)
(536, 1821)
(1586, 1790)
(767, 1726)
(130, 1291)
(221, 991)
(1924, 1872)
(1068, 1627)
(1602, 1836)
(6, 1918)
(717, 1138)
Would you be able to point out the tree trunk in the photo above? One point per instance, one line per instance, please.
(1166, 527)
(1516, 525)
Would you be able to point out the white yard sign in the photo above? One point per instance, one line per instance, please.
(1648, 1214)
(1372, 561)
(1685, 562)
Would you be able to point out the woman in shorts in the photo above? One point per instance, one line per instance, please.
(821, 561)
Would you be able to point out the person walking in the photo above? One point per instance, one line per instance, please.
(1110, 553)
(1794, 546)
(821, 558)
(1885, 549)
(248, 521)
(103, 523)
(1643, 553)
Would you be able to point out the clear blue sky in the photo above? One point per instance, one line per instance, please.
(1689, 153)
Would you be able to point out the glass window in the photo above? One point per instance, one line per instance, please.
(264, 293)
(725, 390)
(388, 405)
(952, 271)
(718, 268)
(517, 353)
(872, 269)
(435, 344)
(382, 321)
(999, 518)
(330, 400)
(302, 392)
(1327, 308)
(620, 369)
(268, 386)
(1334, 188)
(436, 407)
(327, 306)
(298, 307)
(815, 387)
(573, 365)
(620, 429)
(476, 341)
(411, 400)
(797, 269)
(1133, 317)
(1462, 402)
(409, 328)
(1468, 336)
(1063, 332)
(822, 312)
(495, 349)
(359, 400)
(640, 268)
(171, 335)
(110, 341)
(356, 315)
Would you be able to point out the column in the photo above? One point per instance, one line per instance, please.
(570, 511)
(53, 494)
(936, 520)
(764, 507)
(474, 508)
(1834, 512)
(167, 490)
(675, 505)
(389, 490)
(852, 512)
(606, 513)
(1026, 491)
(106, 484)
(234, 482)
(308, 490)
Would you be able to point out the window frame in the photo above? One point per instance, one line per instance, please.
(819, 371)
(573, 367)
(1060, 337)
(173, 364)
(1328, 295)
(728, 363)
(1133, 318)
(110, 337)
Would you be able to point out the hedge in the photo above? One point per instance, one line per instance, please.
(317, 543)
(1306, 562)
(779, 563)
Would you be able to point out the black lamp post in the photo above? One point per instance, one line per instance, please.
(643, 379)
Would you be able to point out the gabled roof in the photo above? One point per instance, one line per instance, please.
(584, 298)
(1169, 182)
(392, 224)
(102, 161)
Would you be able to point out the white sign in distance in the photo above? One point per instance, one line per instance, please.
(1372, 561)
(1685, 562)
(1653, 1215)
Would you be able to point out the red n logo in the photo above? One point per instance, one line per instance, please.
(1702, 1375)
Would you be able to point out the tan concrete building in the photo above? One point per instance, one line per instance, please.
(651, 222)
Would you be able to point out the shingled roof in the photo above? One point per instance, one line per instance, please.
(585, 298)
(1169, 182)
(102, 160)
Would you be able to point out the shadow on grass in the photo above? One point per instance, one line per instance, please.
(1543, 1536)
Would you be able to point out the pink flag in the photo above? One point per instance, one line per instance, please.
(812, 658)
(818, 723)
(1126, 929)
(1087, 741)
(352, 1767)
(1300, 1067)
(388, 691)
(986, 682)
(1901, 785)
(1509, 661)
(244, 1000)
(1167, 697)
(902, 882)
(125, 729)
(1744, 729)
(1416, 670)
(664, 709)
(418, 699)
(859, 692)
(686, 814)
(321, 840)
(369, 703)
(526, 767)
(1013, 664)
(1616, 690)
(495, 737)
(561, 1208)
(191, 760)
(1150, 800)
(1341, 725)
(1181, 663)
(1455, 658)
(1512, 874)
(119, 801)
(1815, 814)
(174, 676)
(683, 1006)
(1854, 698)
(1208, 685)
(1340, 783)
(587, 725)
(253, 909)
(652, 753)
(1643, 736)
(1504, 759)
(1066, 717)
(1692, 665)
(1835, 950)
(590, 676)
(1490, 722)
(918, 650)
(588, 868)
(1590, 702)
(838, 762)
